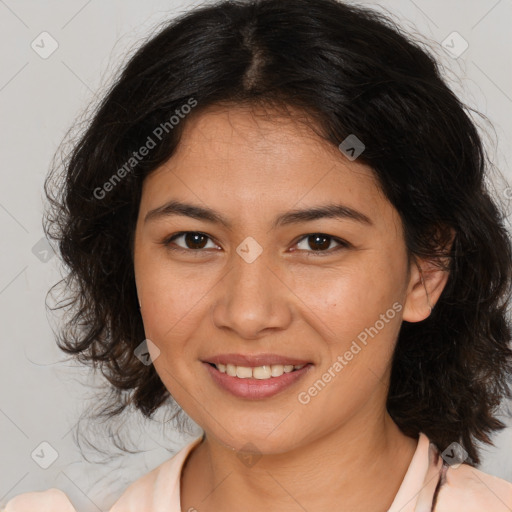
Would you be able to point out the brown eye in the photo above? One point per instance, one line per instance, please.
(320, 243)
(195, 240)
(191, 241)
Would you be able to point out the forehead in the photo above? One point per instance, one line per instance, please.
(258, 134)
(256, 157)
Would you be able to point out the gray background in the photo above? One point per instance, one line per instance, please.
(42, 396)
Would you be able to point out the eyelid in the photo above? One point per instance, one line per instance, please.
(166, 242)
(342, 244)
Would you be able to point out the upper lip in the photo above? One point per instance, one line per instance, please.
(254, 360)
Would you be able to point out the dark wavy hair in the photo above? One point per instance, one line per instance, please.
(352, 71)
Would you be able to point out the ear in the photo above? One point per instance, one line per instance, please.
(426, 283)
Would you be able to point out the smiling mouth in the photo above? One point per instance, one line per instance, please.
(257, 372)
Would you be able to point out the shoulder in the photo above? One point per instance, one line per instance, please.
(471, 490)
(159, 487)
(51, 500)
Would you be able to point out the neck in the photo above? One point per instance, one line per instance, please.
(357, 467)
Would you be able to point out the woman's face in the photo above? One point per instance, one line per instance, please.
(268, 286)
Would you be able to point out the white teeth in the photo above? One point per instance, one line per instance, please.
(258, 372)
(243, 372)
(276, 370)
(262, 372)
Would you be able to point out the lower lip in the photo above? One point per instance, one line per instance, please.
(254, 389)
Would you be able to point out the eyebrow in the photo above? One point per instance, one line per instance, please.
(329, 211)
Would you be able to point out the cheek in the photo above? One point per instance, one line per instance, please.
(171, 314)
(170, 298)
(359, 319)
(342, 302)
(175, 303)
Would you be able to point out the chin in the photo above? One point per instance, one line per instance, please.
(256, 438)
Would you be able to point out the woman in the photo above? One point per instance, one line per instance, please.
(278, 218)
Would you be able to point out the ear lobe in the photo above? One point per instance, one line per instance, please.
(426, 283)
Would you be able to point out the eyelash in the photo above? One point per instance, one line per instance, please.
(342, 243)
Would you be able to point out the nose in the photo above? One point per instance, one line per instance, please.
(252, 298)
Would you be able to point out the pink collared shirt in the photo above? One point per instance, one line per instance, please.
(429, 485)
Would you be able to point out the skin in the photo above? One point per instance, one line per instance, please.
(342, 450)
